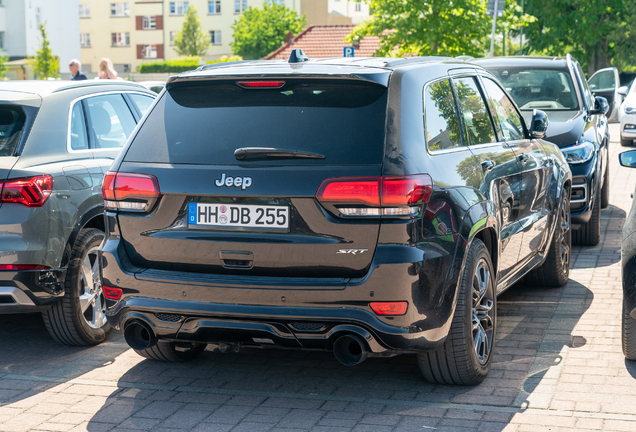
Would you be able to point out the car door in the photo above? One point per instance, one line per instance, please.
(534, 165)
(502, 179)
(605, 83)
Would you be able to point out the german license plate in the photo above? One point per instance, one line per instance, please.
(242, 216)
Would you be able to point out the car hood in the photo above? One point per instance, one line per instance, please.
(564, 127)
(630, 99)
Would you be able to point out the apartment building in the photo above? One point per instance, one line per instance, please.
(356, 10)
(20, 35)
(136, 31)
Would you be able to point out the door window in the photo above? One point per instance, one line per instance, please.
(142, 102)
(504, 112)
(111, 120)
(78, 129)
(478, 126)
(604, 80)
(440, 117)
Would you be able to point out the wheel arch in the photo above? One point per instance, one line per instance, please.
(93, 218)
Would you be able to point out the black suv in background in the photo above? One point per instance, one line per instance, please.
(57, 139)
(366, 206)
(578, 125)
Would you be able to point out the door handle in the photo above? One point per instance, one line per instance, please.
(487, 164)
(523, 157)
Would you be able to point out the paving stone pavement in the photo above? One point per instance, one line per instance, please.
(558, 367)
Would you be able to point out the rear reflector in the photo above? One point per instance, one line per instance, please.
(261, 84)
(32, 191)
(130, 191)
(112, 293)
(389, 308)
(18, 267)
(396, 194)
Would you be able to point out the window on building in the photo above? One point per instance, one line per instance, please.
(1, 40)
(276, 2)
(85, 10)
(215, 37)
(149, 23)
(178, 8)
(120, 39)
(149, 52)
(214, 7)
(85, 40)
(358, 6)
(120, 9)
(240, 6)
(173, 34)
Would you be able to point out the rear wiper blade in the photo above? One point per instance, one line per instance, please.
(251, 153)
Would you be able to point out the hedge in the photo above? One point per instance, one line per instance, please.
(180, 65)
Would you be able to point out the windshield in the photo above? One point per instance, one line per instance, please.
(205, 123)
(544, 89)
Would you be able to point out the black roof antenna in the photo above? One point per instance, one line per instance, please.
(297, 56)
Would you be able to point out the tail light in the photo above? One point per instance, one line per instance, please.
(32, 191)
(389, 308)
(130, 191)
(380, 196)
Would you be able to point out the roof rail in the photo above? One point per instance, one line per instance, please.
(399, 62)
(464, 58)
(89, 83)
(221, 64)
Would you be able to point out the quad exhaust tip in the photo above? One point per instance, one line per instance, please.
(350, 349)
(139, 336)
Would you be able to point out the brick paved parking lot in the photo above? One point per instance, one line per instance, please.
(558, 367)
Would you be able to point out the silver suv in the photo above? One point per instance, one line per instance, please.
(57, 139)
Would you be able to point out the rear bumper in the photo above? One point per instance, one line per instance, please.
(298, 314)
(30, 291)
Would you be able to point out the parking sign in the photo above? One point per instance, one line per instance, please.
(349, 52)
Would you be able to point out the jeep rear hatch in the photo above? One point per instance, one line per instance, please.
(238, 164)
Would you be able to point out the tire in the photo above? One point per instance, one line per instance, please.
(555, 270)
(628, 334)
(79, 318)
(590, 233)
(605, 189)
(458, 360)
(172, 352)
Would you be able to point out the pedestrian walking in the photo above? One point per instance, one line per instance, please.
(76, 70)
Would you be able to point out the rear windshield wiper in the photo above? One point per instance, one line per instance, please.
(252, 153)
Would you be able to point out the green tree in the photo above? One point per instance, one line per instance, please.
(259, 32)
(3, 66)
(45, 65)
(191, 40)
(433, 27)
(597, 33)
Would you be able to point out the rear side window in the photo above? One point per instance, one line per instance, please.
(478, 125)
(142, 102)
(79, 140)
(205, 123)
(111, 120)
(11, 125)
(440, 117)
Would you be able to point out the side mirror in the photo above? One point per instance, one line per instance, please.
(539, 124)
(628, 159)
(600, 106)
(623, 90)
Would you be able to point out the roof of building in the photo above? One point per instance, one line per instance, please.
(325, 41)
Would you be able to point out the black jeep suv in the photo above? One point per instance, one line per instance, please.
(365, 206)
(578, 125)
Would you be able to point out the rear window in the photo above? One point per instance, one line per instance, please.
(205, 123)
(11, 126)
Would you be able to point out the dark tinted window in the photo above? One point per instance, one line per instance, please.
(440, 114)
(478, 125)
(11, 125)
(206, 123)
(504, 112)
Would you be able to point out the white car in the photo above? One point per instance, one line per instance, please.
(627, 114)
